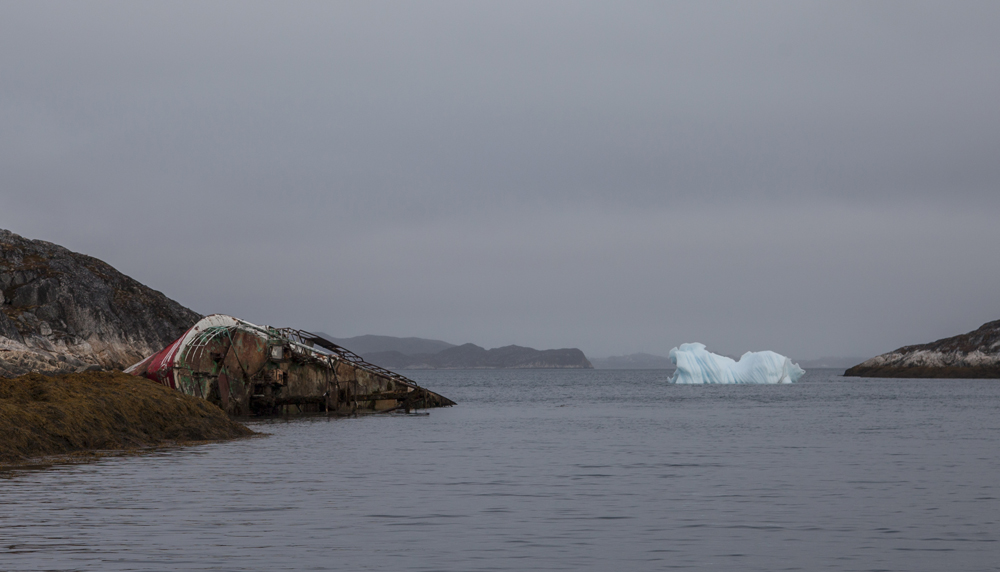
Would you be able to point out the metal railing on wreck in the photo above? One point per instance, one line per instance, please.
(308, 341)
(305, 338)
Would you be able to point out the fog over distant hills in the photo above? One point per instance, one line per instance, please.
(414, 352)
(421, 353)
(828, 362)
(633, 361)
(814, 178)
(652, 361)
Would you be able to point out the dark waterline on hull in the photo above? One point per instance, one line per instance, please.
(552, 470)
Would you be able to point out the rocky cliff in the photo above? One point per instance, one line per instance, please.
(975, 354)
(60, 310)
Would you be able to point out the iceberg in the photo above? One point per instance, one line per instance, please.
(696, 365)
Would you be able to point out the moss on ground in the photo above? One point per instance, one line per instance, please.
(61, 414)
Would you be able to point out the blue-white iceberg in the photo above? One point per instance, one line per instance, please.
(696, 365)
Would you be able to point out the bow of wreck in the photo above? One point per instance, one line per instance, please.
(248, 369)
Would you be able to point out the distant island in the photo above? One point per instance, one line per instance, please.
(367, 345)
(972, 355)
(420, 353)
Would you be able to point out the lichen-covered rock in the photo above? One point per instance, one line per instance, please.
(972, 355)
(60, 310)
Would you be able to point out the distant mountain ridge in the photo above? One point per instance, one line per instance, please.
(471, 356)
(420, 353)
(369, 344)
(972, 355)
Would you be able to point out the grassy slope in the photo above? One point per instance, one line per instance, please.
(42, 415)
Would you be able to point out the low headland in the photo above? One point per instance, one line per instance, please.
(63, 414)
(972, 355)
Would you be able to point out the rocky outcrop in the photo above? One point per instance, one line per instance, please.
(975, 354)
(471, 356)
(61, 311)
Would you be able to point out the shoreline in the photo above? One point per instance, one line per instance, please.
(925, 372)
(46, 420)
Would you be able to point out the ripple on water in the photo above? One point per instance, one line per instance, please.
(551, 470)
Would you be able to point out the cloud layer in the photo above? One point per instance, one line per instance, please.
(816, 179)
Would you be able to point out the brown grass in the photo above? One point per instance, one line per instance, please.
(42, 415)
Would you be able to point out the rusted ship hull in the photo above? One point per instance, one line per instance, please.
(248, 369)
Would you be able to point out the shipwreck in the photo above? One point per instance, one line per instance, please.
(248, 369)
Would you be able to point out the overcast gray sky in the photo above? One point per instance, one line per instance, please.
(811, 178)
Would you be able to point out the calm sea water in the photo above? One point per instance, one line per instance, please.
(552, 470)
